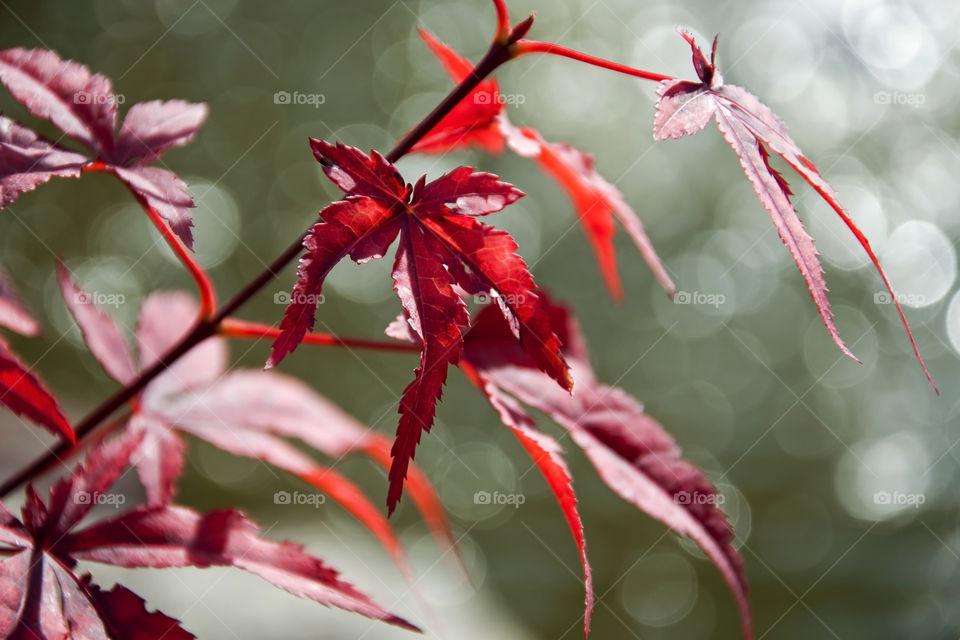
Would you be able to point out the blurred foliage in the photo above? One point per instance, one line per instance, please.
(801, 441)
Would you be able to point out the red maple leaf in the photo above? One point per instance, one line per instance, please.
(443, 248)
(753, 131)
(480, 119)
(43, 597)
(83, 106)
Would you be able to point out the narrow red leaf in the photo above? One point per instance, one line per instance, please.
(28, 161)
(159, 537)
(436, 313)
(100, 332)
(547, 454)
(752, 129)
(631, 452)
(24, 394)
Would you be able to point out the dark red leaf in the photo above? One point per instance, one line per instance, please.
(100, 332)
(22, 393)
(753, 130)
(79, 103)
(443, 251)
(160, 537)
(631, 451)
(13, 315)
(28, 160)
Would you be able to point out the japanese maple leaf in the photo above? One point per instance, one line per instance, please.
(442, 247)
(632, 453)
(83, 106)
(43, 597)
(480, 119)
(246, 413)
(685, 107)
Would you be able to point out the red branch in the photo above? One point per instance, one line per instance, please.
(524, 47)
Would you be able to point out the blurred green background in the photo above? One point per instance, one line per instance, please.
(802, 443)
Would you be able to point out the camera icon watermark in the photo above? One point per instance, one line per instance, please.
(483, 97)
(85, 97)
(299, 499)
(286, 298)
(100, 299)
(899, 499)
(906, 299)
(697, 298)
(512, 300)
(115, 500)
(297, 98)
(690, 498)
(899, 98)
(498, 498)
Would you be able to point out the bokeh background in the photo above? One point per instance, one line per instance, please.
(800, 441)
